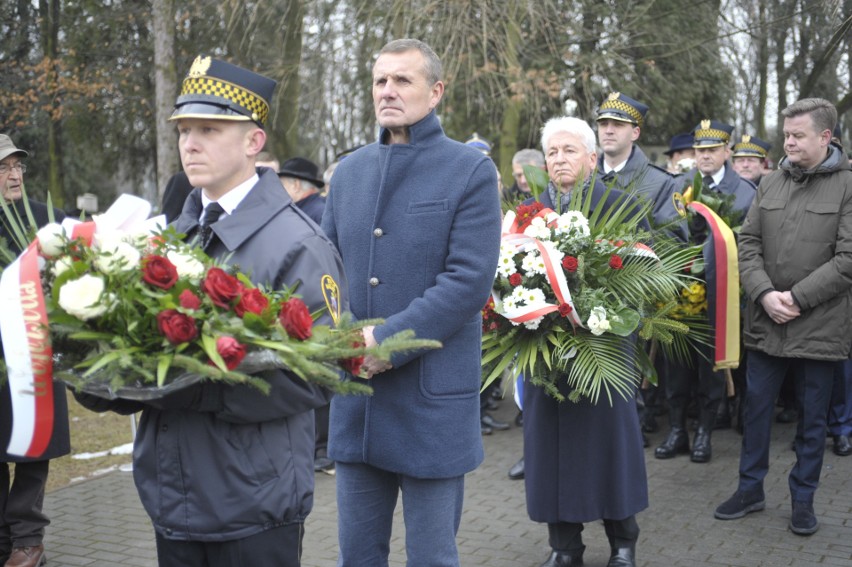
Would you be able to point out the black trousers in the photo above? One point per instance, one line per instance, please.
(22, 521)
(699, 379)
(276, 547)
(567, 536)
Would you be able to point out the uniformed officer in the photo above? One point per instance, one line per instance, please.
(749, 157)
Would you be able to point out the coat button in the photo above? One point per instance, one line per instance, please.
(374, 282)
(378, 232)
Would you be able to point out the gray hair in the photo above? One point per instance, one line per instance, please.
(823, 113)
(432, 66)
(571, 125)
(529, 157)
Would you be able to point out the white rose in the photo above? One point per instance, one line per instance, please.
(84, 298)
(61, 266)
(598, 323)
(187, 266)
(51, 237)
(119, 257)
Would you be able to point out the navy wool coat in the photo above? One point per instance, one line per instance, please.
(418, 228)
(584, 462)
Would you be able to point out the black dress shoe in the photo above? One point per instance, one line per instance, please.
(676, 443)
(519, 419)
(489, 421)
(622, 557)
(701, 449)
(564, 559)
(842, 446)
(517, 470)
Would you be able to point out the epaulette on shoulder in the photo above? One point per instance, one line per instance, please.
(661, 169)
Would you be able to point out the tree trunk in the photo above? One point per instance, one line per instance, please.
(49, 10)
(165, 85)
(288, 97)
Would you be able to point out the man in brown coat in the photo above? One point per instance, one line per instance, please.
(795, 257)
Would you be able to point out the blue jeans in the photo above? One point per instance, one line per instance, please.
(366, 498)
(814, 382)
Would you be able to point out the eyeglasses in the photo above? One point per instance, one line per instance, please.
(4, 168)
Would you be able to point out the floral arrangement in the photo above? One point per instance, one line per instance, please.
(133, 314)
(570, 292)
(139, 306)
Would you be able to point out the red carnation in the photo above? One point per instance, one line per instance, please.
(231, 351)
(177, 327)
(188, 300)
(159, 271)
(565, 309)
(221, 287)
(570, 263)
(296, 319)
(615, 262)
(252, 301)
(515, 279)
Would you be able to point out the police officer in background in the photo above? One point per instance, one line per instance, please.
(749, 157)
(711, 154)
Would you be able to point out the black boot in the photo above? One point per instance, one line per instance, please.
(678, 440)
(565, 558)
(723, 415)
(701, 449)
(622, 557)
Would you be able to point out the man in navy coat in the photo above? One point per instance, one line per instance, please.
(416, 217)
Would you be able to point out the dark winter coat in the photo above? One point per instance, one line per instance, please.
(584, 462)
(217, 462)
(418, 227)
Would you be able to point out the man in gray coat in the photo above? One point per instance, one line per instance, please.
(416, 217)
(795, 257)
(225, 471)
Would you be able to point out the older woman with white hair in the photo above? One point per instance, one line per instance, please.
(584, 461)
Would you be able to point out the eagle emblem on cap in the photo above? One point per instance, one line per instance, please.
(746, 138)
(199, 67)
(705, 124)
(613, 96)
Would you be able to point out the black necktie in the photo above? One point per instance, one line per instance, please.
(708, 182)
(211, 215)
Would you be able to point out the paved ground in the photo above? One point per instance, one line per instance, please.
(100, 523)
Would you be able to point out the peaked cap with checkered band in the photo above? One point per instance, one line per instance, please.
(222, 91)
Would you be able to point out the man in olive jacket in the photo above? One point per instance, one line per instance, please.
(795, 256)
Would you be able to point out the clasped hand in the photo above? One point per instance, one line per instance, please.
(780, 306)
(373, 365)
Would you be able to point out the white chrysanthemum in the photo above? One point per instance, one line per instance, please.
(533, 324)
(528, 295)
(553, 252)
(506, 263)
(84, 297)
(119, 256)
(538, 229)
(533, 263)
(573, 221)
(51, 237)
(598, 323)
(187, 266)
(61, 266)
(509, 303)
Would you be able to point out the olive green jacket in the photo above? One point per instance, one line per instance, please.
(798, 237)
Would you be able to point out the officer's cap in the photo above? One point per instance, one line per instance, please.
(712, 133)
(619, 106)
(751, 146)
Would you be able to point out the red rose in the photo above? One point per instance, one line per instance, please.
(353, 365)
(176, 327)
(159, 271)
(296, 319)
(615, 262)
(231, 351)
(569, 263)
(515, 279)
(565, 309)
(252, 301)
(189, 300)
(221, 287)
